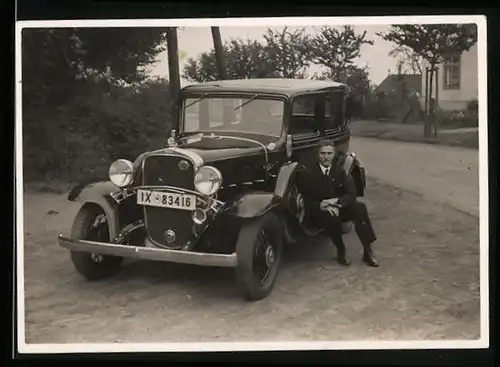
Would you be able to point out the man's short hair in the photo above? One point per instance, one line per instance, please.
(325, 143)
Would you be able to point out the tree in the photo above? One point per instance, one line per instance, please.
(358, 81)
(336, 49)
(433, 42)
(409, 62)
(68, 77)
(204, 68)
(243, 59)
(284, 53)
(55, 60)
(248, 60)
(288, 52)
(355, 77)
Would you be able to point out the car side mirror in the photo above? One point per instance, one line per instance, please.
(289, 146)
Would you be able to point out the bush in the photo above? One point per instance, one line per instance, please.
(80, 139)
(459, 119)
(473, 105)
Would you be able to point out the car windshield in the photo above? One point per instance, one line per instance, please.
(249, 114)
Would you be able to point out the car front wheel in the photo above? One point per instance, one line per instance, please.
(259, 249)
(91, 224)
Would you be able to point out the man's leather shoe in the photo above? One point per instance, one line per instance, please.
(343, 261)
(370, 260)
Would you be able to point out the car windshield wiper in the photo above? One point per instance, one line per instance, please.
(246, 102)
(196, 101)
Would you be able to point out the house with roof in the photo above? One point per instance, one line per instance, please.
(457, 81)
(398, 97)
(410, 84)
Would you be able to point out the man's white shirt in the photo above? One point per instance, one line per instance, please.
(324, 169)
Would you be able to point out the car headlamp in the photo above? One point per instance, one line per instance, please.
(208, 180)
(121, 172)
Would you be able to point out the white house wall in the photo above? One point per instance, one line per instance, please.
(457, 99)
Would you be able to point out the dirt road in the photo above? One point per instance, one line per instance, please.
(443, 174)
(425, 288)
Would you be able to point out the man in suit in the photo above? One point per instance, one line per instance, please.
(330, 196)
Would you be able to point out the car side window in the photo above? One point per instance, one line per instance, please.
(334, 107)
(302, 120)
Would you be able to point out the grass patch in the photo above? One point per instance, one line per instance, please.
(413, 133)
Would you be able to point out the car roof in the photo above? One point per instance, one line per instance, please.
(282, 86)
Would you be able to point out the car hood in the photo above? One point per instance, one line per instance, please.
(218, 149)
(237, 160)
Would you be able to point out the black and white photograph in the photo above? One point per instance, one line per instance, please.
(252, 184)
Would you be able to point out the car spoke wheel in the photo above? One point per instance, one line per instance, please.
(259, 249)
(91, 224)
(265, 255)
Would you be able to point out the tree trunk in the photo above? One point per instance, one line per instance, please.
(426, 93)
(436, 105)
(430, 114)
(219, 53)
(228, 112)
(173, 73)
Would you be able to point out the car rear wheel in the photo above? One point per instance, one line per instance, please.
(91, 224)
(259, 249)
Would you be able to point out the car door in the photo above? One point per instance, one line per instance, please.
(335, 121)
(306, 125)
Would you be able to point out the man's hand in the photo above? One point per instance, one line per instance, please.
(333, 211)
(329, 206)
(328, 202)
(324, 204)
(333, 201)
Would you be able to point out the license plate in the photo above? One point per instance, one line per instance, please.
(166, 199)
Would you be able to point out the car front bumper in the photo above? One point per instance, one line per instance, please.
(149, 253)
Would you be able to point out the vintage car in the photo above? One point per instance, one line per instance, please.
(223, 192)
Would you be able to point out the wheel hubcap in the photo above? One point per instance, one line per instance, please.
(269, 255)
(265, 256)
(96, 257)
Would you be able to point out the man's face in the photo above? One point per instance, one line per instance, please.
(326, 155)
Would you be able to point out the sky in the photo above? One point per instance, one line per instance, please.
(192, 41)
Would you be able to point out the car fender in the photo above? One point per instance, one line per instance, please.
(252, 204)
(255, 204)
(99, 193)
(285, 178)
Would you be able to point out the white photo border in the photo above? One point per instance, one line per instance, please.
(482, 342)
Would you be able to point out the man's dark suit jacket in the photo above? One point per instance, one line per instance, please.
(316, 187)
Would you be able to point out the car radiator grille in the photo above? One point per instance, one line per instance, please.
(165, 171)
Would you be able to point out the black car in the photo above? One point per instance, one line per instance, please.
(223, 192)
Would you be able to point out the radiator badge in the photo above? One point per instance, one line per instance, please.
(169, 236)
(183, 165)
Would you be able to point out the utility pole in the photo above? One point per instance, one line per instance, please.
(228, 108)
(173, 72)
(219, 53)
